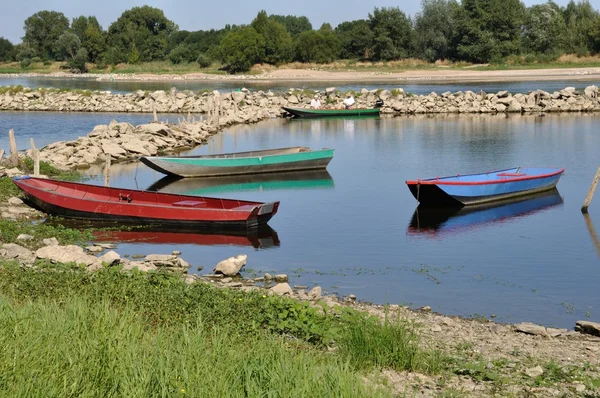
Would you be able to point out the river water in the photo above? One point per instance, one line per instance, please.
(354, 229)
(417, 87)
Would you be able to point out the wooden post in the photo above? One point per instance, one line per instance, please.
(36, 159)
(107, 171)
(155, 120)
(36, 163)
(189, 119)
(590, 195)
(14, 154)
(1, 153)
(592, 231)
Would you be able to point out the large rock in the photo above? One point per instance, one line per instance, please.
(110, 258)
(66, 254)
(282, 289)
(586, 327)
(135, 145)
(231, 266)
(12, 251)
(114, 150)
(531, 328)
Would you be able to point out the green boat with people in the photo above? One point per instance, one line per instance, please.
(240, 163)
(312, 113)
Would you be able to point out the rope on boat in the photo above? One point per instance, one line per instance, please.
(418, 190)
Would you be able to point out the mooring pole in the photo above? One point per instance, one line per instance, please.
(107, 171)
(36, 159)
(590, 195)
(14, 153)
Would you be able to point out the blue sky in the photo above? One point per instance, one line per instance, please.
(197, 15)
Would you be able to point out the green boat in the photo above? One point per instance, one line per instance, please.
(306, 113)
(241, 163)
(294, 180)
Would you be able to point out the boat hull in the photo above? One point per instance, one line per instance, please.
(313, 113)
(200, 166)
(492, 187)
(94, 203)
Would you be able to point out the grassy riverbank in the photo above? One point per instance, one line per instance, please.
(166, 67)
(110, 334)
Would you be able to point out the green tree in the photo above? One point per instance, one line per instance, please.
(580, 19)
(434, 28)
(320, 46)
(242, 48)
(94, 41)
(90, 34)
(42, 30)
(293, 24)
(6, 50)
(67, 45)
(543, 29)
(392, 33)
(143, 30)
(77, 63)
(356, 39)
(278, 42)
(25, 52)
(488, 29)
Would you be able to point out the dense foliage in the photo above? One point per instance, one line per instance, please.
(478, 31)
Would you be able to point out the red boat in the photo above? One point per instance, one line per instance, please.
(93, 202)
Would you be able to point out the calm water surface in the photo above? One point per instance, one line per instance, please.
(412, 86)
(354, 228)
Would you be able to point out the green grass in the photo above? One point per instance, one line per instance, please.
(74, 333)
(90, 348)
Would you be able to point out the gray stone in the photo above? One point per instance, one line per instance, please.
(135, 145)
(281, 278)
(50, 241)
(12, 251)
(534, 372)
(531, 328)
(110, 258)
(176, 253)
(231, 266)
(281, 289)
(14, 201)
(502, 94)
(94, 249)
(66, 254)
(114, 150)
(315, 293)
(24, 237)
(160, 258)
(587, 327)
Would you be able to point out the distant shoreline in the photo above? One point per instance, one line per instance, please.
(291, 75)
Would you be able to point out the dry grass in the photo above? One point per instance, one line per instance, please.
(574, 59)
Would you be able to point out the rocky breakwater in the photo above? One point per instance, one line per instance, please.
(240, 105)
(244, 106)
(398, 102)
(123, 141)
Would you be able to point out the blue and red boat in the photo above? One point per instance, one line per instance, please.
(474, 189)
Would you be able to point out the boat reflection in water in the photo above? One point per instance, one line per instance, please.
(263, 237)
(317, 179)
(426, 221)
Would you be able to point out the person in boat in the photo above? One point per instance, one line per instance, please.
(315, 103)
(349, 101)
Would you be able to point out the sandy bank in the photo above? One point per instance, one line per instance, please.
(434, 75)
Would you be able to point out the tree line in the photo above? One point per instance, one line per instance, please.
(478, 31)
